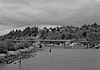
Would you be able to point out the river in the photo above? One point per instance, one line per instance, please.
(59, 59)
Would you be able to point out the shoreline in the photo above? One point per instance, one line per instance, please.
(17, 57)
(32, 53)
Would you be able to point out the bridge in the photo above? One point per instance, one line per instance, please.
(39, 40)
(45, 40)
(60, 41)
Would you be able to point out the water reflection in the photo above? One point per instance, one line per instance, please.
(20, 65)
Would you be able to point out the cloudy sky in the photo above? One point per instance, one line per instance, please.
(20, 13)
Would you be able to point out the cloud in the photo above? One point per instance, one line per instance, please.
(20, 13)
(97, 0)
(4, 29)
(87, 14)
(29, 12)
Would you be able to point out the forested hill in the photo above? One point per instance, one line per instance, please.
(89, 32)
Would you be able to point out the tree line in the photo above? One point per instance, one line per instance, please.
(90, 32)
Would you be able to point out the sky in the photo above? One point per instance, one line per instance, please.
(19, 13)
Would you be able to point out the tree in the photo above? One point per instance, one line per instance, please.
(84, 34)
(10, 45)
(25, 44)
(85, 26)
(3, 47)
(53, 30)
(34, 31)
(22, 45)
(94, 25)
(58, 29)
(63, 36)
(26, 31)
(19, 46)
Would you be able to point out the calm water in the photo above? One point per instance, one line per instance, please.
(60, 59)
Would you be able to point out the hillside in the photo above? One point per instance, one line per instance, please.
(88, 32)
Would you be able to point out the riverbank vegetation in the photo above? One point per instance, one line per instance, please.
(86, 32)
(10, 51)
(9, 45)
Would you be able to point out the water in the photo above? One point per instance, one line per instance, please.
(60, 59)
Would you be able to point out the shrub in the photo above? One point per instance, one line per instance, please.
(3, 47)
(26, 44)
(10, 45)
(19, 46)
